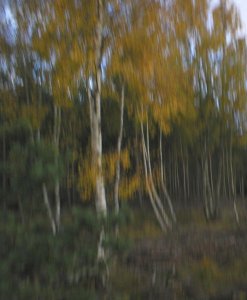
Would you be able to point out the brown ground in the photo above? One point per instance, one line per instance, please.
(208, 261)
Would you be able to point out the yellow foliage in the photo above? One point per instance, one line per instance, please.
(87, 175)
(110, 161)
(86, 180)
(125, 159)
(128, 186)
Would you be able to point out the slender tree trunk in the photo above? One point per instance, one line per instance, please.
(184, 196)
(211, 181)
(172, 173)
(242, 187)
(138, 164)
(187, 175)
(39, 92)
(224, 173)
(4, 170)
(205, 194)
(184, 179)
(219, 183)
(155, 193)
(231, 175)
(119, 145)
(68, 188)
(155, 208)
(73, 182)
(228, 174)
(49, 210)
(163, 183)
(58, 204)
(176, 185)
(211, 187)
(177, 178)
(157, 205)
(57, 129)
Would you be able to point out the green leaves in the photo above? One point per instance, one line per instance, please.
(34, 163)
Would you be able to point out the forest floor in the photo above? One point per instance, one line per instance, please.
(197, 260)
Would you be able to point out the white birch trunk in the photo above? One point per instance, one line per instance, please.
(163, 184)
(155, 208)
(95, 117)
(96, 145)
(119, 146)
(155, 193)
(157, 205)
(49, 210)
(58, 204)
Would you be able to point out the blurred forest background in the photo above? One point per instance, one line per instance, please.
(123, 150)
